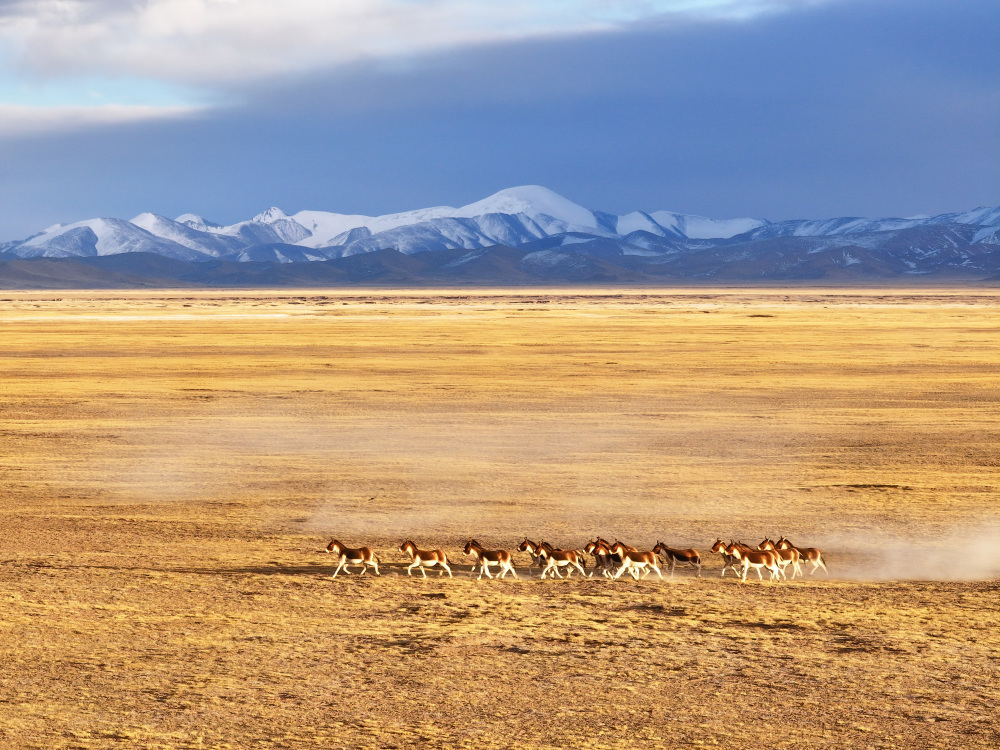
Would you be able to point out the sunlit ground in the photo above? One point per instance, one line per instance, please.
(172, 462)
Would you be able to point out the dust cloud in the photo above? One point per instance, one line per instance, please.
(971, 554)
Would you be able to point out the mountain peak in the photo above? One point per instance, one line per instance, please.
(533, 201)
(270, 216)
(196, 222)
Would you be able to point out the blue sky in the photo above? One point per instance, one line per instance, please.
(770, 108)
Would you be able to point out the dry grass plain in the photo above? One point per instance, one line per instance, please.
(170, 463)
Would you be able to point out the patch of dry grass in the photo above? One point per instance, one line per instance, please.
(171, 462)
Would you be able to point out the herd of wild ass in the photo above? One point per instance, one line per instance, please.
(610, 559)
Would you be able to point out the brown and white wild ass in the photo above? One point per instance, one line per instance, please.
(424, 559)
(756, 559)
(487, 557)
(809, 554)
(362, 556)
(786, 557)
(560, 558)
(532, 549)
(605, 560)
(729, 562)
(682, 556)
(635, 561)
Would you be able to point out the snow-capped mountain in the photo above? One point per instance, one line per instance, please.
(510, 217)
(100, 237)
(538, 221)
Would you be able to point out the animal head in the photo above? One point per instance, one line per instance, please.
(334, 546)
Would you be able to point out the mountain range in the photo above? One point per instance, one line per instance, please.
(526, 234)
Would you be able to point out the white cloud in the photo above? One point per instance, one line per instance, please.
(217, 43)
(67, 64)
(20, 119)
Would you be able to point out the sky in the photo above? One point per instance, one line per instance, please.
(775, 109)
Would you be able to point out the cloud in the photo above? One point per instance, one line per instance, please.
(225, 42)
(866, 108)
(19, 119)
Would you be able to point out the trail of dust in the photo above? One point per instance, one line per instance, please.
(970, 554)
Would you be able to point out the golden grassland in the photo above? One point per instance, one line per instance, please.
(171, 463)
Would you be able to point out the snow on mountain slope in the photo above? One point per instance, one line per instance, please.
(450, 233)
(197, 222)
(213, 245)
(101, 237)
(702, 228)
(852, 225)
(549, 210)
(535, 202)
(267, 227)
(540, 211)
(984, 216)
(987, 235)
(325, 228)
(640, 221)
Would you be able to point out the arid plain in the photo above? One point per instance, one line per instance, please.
(171, 463)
